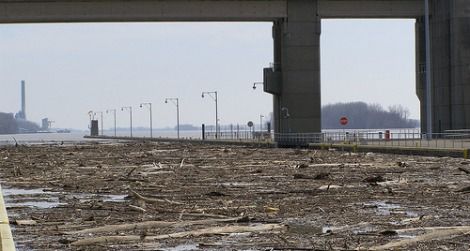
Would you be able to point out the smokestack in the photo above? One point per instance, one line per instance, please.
(23, 99)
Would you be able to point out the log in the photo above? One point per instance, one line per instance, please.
(138, 209)
(153, 200)
(153, 224)
(465, 170)
(193, 233)
(437, 233)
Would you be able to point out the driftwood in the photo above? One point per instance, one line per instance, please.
(153, 200)
(138, 209)
(192, 214)
(182, 163)
(437, 233)
(153, 224)
(193, 233)
(340, 165)
(465, 170)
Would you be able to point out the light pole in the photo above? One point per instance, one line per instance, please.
(176, 102)
(129, 108)
(150, 112)
(261, 123)
(101, 116)
(428, 72)
(215, 97)
(257, 83)
(114, 113)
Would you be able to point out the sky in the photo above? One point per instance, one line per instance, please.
(71, 69)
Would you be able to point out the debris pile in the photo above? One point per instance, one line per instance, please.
(182, 196)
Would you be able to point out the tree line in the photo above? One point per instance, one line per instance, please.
(366, 116)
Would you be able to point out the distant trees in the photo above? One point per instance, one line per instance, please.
(188, 127)
(366, 116)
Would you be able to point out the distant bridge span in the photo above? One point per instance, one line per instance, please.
(294, 80)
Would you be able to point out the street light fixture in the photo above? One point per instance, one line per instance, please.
(114, 113)
(285, 110)
(92, 116)
(215, 98)
(149, 105)
(101, 116)
(129, 108)
(175, 101)
(257, 83)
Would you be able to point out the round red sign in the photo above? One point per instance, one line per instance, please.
(343, 121)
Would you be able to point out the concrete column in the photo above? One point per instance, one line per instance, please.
(277, 37)
(420, 70)
(298, 52)
(450, 63)
(440, 66)
(460, 63)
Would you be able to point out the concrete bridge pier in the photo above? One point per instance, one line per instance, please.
(294, 79)
(450, 65)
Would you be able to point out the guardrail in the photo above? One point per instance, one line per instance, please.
(454, 140)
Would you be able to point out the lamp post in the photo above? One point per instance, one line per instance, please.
(129, 108)
(261, 123)
(176, 102)
(92, 116)
(149, 105)
(257, 83)
(428, 72)
(215, 97)
(114, 113)
(101, 116)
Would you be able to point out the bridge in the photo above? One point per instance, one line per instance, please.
(294, 78)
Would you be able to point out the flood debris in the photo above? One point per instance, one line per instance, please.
(183, 196)
(465, 170)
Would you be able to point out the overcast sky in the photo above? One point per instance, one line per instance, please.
(73, 68)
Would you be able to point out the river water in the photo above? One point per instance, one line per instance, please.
(77, 137)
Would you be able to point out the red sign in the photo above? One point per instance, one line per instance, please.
(343, 121)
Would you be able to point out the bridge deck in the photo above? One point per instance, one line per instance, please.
(37, 11)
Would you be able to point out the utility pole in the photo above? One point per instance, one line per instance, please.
(176, 102)
(129, 108)
(114, 113)
(150, 111)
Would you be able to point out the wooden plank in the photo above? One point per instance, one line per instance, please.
(6, 238)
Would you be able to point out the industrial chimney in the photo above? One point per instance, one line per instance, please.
(23, 99)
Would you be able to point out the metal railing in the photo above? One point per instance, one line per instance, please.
(413, 139)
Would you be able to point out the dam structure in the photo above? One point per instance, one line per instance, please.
(294, 77)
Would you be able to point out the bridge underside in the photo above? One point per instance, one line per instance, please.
(37, 11)
(295, 78)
